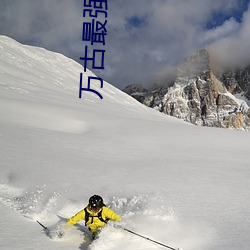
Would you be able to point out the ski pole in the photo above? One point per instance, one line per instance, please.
(146, 238)
(45, 228)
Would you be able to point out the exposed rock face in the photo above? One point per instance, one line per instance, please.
(199, 97)
(134, 88)
(137, 91)
(237, 81)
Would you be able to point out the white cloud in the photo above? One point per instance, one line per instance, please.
(228, 28)
(233, 50)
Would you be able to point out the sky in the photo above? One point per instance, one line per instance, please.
(145, 39)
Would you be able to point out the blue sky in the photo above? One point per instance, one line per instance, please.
(218, 17)
(146, 39)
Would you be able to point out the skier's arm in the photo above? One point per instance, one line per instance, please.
(77, 217)
(110, 214)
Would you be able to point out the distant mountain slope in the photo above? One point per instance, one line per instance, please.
(33, 74)
(29, 70)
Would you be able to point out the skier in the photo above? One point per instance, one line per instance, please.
(95, 214)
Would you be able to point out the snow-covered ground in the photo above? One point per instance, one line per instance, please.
(181, 185)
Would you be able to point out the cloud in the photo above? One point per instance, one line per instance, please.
(145, 39)
(47, 23)
(233, 49)
(228, 28)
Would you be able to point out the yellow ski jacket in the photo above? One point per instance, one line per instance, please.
(94, 223)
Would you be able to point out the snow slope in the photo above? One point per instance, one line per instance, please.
(176, 183)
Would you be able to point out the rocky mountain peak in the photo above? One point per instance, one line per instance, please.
(196, 64)
(202, 97)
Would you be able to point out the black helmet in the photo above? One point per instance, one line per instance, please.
(96, 202)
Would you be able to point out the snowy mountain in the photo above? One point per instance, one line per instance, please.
(182, 185)
(201, 96)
